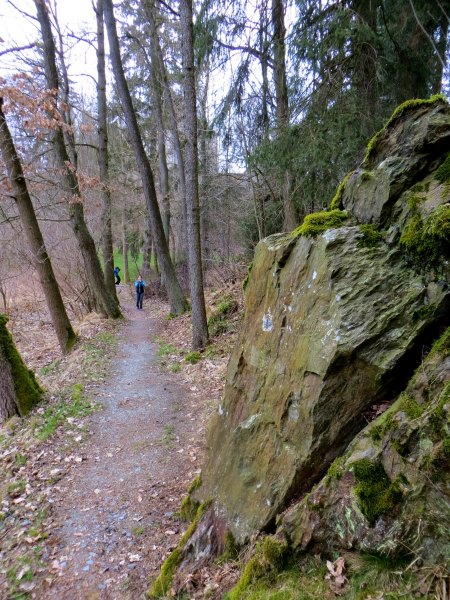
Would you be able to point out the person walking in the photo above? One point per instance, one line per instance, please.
(139, 284)
(116, 275)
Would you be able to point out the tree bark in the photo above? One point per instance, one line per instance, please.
(164, 81)
(8, 406)
(176, 297)
(19, 390)
(147, 254)
(161, 144)
(105, 302)
(366, 62)
(126, 270)
(282, 104)
(204, 171)
(199, 324)
(103, 160)
(41, 261)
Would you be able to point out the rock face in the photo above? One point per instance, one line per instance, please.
(389, 493)
(335, 324)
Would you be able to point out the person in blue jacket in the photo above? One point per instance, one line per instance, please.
(116, 275)
(139, 284)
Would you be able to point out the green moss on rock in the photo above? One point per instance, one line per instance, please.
(28, 391)
(412, 408)
(428, 242)
(336, 469)
(376, 494)
(371, 236)
(189, 506)
(442, 345)
(269, 558)
(318, 222)
(231, 550)
(162, 584)
(336, 202)
(443, 172)
(399, 112)
(247, 278)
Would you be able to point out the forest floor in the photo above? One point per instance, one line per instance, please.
(92, 480)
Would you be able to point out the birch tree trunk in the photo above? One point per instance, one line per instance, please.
(177, 300)
(41, 261)
(199, 325)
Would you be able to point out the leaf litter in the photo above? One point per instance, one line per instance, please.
(71, 501)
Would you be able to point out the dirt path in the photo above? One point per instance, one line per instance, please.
(115, 513)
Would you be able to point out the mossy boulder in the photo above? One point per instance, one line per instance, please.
(339, 314)
(330, 327)
(414, 143)
(390, 494)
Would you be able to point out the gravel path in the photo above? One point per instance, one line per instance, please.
(115, 513)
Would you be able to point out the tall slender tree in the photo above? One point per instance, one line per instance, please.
(103, 161)
(105, 302)
(162, 77)
(41, 260)
(176, 297)
(199, 324)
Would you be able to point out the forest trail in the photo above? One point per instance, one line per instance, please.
(115, 513)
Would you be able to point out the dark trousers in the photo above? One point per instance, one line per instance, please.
(139, 298)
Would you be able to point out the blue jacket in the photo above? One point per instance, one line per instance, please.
(139, 283)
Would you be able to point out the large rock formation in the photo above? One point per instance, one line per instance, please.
(389, 493)
(339, 314)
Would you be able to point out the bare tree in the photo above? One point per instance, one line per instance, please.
(105, 302)
(64, 332)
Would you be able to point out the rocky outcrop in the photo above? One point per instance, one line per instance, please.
(389, 492)
(339, 314)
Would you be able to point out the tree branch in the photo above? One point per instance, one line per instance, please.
(17, 49)
(169, 8)
(427, 35)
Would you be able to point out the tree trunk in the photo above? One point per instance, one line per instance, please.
(161, 74)
(41, 261)
(199, 325)
(161, 144)
(282, 104)
(204, 172)
(176, 297)
(366, 62)
(103, 161)
(8, 406)
(19, 390)
(147, 254)
(105, 302)
(126, 270)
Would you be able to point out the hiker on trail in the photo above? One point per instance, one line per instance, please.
(116, 275)
(139, 284)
